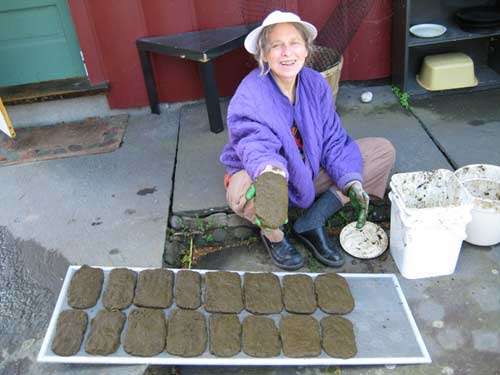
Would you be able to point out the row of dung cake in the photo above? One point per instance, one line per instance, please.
(184, 333)
(261, 293)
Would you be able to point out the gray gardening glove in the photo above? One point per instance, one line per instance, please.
(360, 201)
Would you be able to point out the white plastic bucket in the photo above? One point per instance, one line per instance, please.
(482, 182)
(429, 213)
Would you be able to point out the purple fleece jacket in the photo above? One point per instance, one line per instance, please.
(259, 120)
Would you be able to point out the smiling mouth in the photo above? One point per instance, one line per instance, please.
(288, 63)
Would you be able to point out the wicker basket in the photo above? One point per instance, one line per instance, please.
(329, 64)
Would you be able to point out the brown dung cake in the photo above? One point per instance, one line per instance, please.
(300, 336)
(271, 199)
(260, 337)
(146, 332)
(154, 288)
(119, 292)
(188, 289)
(298, 294)
(225, 335)
(85, 287)
(262, 293)
(338, 337)
(223, 292)
(187, 333)
(334, 295)
(105, 330)
(70, 329)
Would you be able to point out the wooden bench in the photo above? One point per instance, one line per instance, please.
(201, 46)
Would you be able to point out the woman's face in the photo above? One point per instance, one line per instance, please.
(286, 52)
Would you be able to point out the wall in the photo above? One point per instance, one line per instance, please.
(107, 32)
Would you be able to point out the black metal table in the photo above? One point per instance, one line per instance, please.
(201, 46)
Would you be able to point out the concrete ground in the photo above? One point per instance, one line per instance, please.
(108, 209)
(112, 209)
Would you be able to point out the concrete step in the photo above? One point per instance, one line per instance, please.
(51, 90)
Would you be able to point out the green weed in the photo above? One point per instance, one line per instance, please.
(187, 258)
(313, 265)
(200, 231)
(403, 97)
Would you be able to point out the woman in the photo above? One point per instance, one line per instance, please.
(282, 120)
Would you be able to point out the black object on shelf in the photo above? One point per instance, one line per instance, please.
(479, 15)
(483, 19)
(494, 55)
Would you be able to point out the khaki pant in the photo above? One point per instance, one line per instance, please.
(378, 158)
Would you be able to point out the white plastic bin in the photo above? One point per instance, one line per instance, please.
(429, 213)
(482, 182)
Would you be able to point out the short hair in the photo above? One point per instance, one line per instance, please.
(262, 44)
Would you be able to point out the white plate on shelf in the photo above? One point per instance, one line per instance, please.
(427, 30)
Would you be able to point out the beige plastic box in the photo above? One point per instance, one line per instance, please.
(447, 71)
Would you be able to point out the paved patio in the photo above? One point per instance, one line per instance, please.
(112, 209)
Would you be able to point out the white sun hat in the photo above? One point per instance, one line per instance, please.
(273, 18)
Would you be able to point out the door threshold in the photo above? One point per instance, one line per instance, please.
(51, 90)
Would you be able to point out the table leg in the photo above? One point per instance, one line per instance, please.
(149, 80)
(211, 96)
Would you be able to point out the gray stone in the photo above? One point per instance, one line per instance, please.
(173, 253)
(237, 221)
(217, 220)
(219, 235)
(193, 223)
(176, 222)
(243, 233)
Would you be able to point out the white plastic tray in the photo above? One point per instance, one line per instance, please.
(384, 327)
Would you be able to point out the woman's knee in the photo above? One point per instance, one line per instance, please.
(386, 150)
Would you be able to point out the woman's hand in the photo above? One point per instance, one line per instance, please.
(360, 201)
(237, 202)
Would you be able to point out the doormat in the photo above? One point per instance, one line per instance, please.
(91, 136)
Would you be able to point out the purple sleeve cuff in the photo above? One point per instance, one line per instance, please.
(344, 180)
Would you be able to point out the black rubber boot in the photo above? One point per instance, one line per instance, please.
(322, 247)
(319, 212)
(284, 254)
